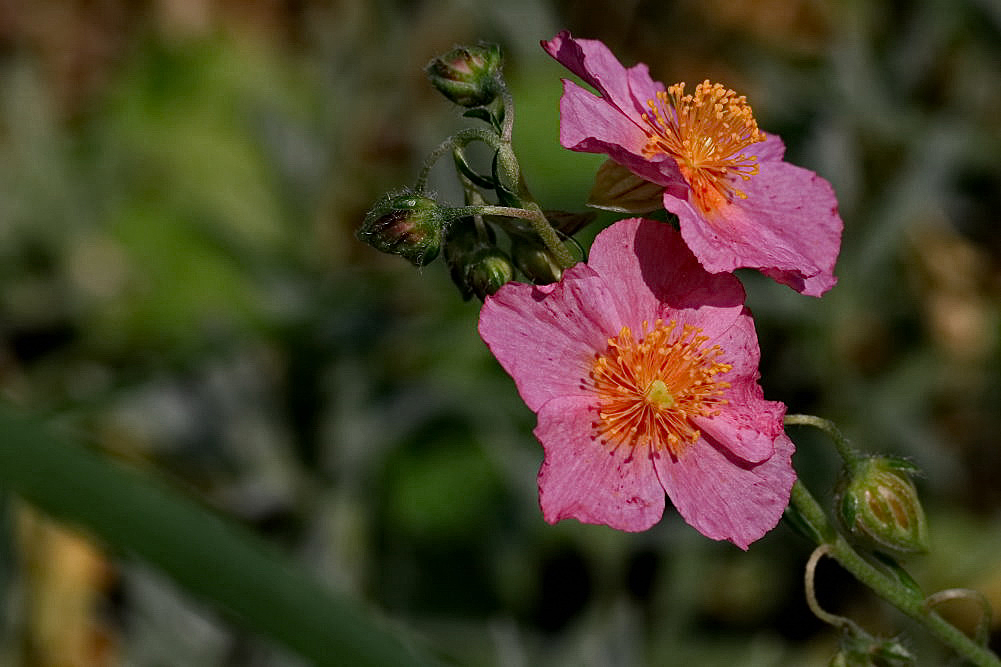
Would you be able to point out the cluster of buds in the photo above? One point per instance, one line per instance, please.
(415, 226)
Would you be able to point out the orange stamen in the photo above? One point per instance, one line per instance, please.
(649, 390)
(706, 134)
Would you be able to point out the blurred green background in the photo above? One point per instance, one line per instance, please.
(180, 181)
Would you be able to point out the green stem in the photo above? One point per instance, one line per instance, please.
(507, 128)
(903, 598)
(540, 225)
(812, 512)
(845, 450)
(458, 140)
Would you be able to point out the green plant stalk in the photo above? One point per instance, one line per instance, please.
(531, 212)
(901, 597)
(458, 140)
(848, 453)
(217, 561)
(540, 225)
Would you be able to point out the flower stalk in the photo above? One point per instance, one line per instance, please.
(905, 598)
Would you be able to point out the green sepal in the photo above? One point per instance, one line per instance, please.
(569, 223)
(902, 575)
(481, 113)
(477, 179)
(799, 523)
(505, 195)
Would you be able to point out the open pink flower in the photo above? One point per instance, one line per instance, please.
(642, 369)
(739, 204)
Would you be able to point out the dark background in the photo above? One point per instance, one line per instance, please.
(180, 182)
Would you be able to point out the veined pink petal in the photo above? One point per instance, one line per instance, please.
(724, 498)
(665, 273)
(583, 479)
(546, 337)
(590, 125)
(788, 227)
(597, 66)
(749, 429)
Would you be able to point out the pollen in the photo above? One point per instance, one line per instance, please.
(649, 389)
(707, 133)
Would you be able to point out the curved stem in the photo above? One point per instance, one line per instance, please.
(811, 593)
(903, 598)
(458, 140)
(983, 625)
(845, 450)
(507, 128)
(540, 226)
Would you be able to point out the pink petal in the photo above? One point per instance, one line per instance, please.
(772, 149)
(748, 427)
(589, 124)
(788, 227)
(724, 498)
(595, 63)
(654, 270)
(583, 479)
(546, 338)
(611, 123)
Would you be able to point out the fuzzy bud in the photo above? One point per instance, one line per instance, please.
(468, 75)
(488, 270)
(878, 506)
(536, 262)
(408, 224)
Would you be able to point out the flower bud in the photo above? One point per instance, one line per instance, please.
(535, 261)
(878, 506)
(468, 75)
(862, 650)
(408, 224)
(488, 270)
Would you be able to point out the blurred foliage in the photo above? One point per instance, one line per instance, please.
(179, 283)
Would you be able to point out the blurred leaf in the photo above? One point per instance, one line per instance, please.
(203, 554)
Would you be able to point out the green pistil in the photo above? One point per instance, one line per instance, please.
(658, 394)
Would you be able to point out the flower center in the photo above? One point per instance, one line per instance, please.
(650, 389)
(706, 134)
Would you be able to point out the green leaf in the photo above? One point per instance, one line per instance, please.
(202, 553)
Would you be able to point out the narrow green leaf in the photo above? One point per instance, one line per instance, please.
(213, 559)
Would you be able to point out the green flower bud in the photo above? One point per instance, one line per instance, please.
(488, 270)
(468, 75)
(862, 650)
(407, 224)
(535, 261)
(878, 506)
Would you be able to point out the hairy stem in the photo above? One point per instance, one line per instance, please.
(540, 225)
(890, 589)
(845, 450)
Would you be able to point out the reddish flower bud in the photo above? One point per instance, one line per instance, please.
(468, 75)
(408, 224)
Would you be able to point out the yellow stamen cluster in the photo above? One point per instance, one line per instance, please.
(706, 133)
(649, 389)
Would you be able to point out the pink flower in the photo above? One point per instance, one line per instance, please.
(739, 204)
(642, 369)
